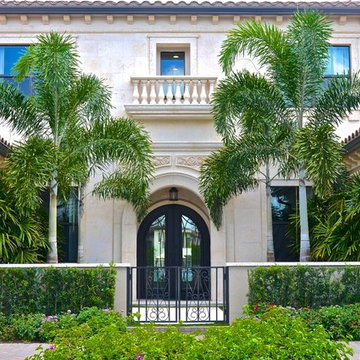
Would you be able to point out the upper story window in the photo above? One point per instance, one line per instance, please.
(339, 62)
(173, 59)
(172, 63)
(9, 55)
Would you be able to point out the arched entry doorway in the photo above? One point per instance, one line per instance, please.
(175, 237)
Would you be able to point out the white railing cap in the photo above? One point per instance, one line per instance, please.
(64, 265)
(172, 77)
(314, 264)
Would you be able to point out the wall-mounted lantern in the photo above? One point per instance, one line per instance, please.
(173, 194)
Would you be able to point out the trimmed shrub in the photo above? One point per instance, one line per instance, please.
(304, 286)
(341, 322)
(54, 290)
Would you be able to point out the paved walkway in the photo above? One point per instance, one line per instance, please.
(356, 346)
(19, 351)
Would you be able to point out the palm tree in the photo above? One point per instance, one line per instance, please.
(291, 90)
(69, 134)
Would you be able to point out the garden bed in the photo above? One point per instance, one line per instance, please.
(104, 334)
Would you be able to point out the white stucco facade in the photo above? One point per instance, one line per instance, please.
(123, 49)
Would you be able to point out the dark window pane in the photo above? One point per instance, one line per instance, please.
(283, 244)
(67, 214)
(172, 63)
(283, 202)
(339, 61)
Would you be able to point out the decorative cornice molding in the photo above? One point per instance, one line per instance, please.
(194, 161)
(160, 161)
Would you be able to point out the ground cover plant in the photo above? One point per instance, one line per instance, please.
(104, 334)
(40, 327)
(341, 322)
(304, 286)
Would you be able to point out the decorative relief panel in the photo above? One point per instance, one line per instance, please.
(162, 161)
(190, 161)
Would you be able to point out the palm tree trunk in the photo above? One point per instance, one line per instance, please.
(53, 255)
(304, 224)
(269, 235)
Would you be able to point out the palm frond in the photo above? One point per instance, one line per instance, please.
(29, 169)
(126, 184)
(309, 33)
(120, 140)
(319, 150)
(262, 41)
(18, 113)
(341, 97)
(90, 98)
(247, 102)
(225, 173)
(53, 59)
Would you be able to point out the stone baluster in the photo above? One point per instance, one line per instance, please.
(177, 91)
(195, 92)
(152, 96)
(161, 94)
(211, 88)
(203, 91)
(136, 94)
(186, 92)
(144, 91)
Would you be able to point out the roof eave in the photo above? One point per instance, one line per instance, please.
(3, 149)
(173, 10)
(352, 145)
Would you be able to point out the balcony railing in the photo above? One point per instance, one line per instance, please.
(173, 90)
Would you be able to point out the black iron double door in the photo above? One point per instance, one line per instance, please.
(173, 253)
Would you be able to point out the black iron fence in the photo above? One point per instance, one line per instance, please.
(178, 293)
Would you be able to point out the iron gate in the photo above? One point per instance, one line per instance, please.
(177, 293)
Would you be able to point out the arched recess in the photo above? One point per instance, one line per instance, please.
(187, 184)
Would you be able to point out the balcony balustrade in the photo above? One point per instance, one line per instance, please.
(173, 90)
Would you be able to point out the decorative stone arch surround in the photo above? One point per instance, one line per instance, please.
(184, 181)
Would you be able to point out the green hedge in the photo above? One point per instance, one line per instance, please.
(53, 290)
(304, 286)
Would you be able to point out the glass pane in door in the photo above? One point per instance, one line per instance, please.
(190, 249)
(155, 250)
(194, 279)
(155, 243)
(191, 238)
